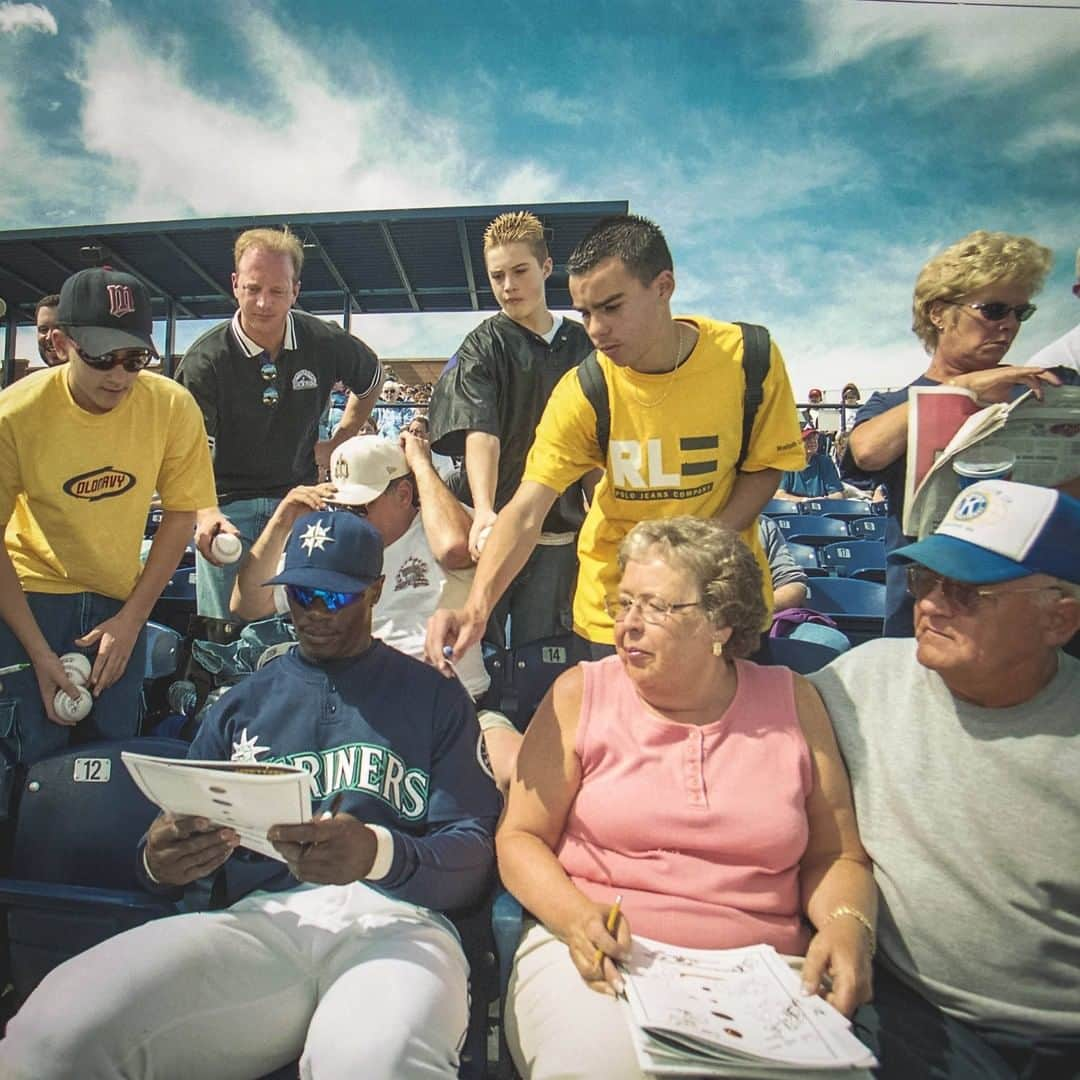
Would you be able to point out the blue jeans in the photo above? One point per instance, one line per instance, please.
(213, 584)
(914, 1040)
(539, 600)
(26, 733)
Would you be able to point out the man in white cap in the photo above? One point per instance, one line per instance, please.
(963, 746)
(425, 531)
(83, 447)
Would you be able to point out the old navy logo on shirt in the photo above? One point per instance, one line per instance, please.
(305, 380)
(638, 470)
(102, 483)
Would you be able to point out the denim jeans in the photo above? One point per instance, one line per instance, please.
(913, 1040)
(538, 601)
(26, 733)
(213, 584)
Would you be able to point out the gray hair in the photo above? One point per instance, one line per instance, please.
(720, 565)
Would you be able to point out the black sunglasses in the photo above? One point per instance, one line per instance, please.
(359, 510)
(131, 359)
(996, 310)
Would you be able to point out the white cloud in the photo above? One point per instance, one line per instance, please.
(1055, 135)
(36, 17)
(986, 45)
(556, 108)
(307, 137)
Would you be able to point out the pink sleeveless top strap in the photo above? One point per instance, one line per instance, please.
(700, 829)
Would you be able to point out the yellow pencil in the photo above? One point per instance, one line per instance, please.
(610, 924)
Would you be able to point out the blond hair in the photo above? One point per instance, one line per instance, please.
(982, 258)
(720, 565)
(277, 241)
(517, 227)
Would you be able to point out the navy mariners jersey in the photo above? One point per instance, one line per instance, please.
(395, 739)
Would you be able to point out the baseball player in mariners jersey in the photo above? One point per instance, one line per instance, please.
(338, 955)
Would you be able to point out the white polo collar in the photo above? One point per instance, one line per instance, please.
(250, 347)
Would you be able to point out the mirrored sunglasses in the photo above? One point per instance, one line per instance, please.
(271, 395)
(333, 601)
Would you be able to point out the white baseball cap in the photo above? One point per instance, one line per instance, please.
(363, 466)
(998, 530)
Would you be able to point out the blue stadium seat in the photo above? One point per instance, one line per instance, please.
(801, 656)
(855, 558)
(72, 882)
(858, 607)
(162, 650)
(532, 670)
(805, 556)
(867, 528)
(779, 507)
(844, 509)
(811, 529)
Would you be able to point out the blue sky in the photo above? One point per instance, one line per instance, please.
(804, 157)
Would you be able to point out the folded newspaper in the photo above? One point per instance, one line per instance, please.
(946, 421)
(247, 797)
(733, 1013)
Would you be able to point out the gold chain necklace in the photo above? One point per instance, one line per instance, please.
(670, 384)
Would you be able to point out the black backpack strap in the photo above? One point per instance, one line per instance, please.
(756, 367)
(595, 390)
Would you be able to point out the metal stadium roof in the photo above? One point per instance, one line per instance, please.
(357, 261)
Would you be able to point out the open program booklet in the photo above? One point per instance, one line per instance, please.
(733, 1012)
(247, 797)
(944, 421)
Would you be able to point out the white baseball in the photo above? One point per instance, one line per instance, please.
(226, 547)
(73, 708)
(481, 540)
(77, 667)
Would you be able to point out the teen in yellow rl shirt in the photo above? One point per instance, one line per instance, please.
(675, 391)
(83, 447)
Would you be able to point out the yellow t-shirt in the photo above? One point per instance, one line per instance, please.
(673, 447)
(75, 487)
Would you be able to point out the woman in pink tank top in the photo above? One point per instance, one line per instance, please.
(705, 791)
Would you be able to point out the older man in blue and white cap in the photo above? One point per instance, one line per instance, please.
(338, 954)
(963, 746)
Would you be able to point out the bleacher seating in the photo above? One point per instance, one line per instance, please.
(780, 507)
(801, 656)
(72, 880)
(858, 607)
(867, 528)
(530, 671)
(805, 556)
(811, 529)
(855, 558)
(845, 509)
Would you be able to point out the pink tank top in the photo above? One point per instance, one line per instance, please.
(700, 829)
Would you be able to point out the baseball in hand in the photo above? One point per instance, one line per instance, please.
(77, 667)
(481, 540)
(73, 709)
(226, 547)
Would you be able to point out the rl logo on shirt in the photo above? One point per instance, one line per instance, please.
(102, 483)
(638, 472)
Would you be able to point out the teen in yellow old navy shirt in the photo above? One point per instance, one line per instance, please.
(76, 489)
(674, 443)
(83, 448)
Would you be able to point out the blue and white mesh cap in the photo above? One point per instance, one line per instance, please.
(997, 530)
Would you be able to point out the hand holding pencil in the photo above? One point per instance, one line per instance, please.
(605, 936)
